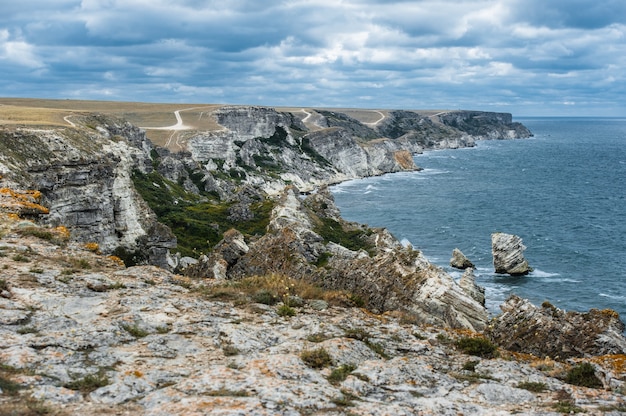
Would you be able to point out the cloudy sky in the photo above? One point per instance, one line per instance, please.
(528, 57)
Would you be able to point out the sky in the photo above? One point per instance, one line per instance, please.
(526, 57)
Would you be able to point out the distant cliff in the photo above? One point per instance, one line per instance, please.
(97, 176)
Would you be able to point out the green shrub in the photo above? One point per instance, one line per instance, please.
(21, 258)
(470, 365)
(265, 297)
(353, 239)
(534, 386)
(318, 358)
(89, 383)
(317, 337)
(197, 223)
(583, 375)
(340, 373)
(480, 347)
(285, 310)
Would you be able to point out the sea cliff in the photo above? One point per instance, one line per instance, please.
(265, 301)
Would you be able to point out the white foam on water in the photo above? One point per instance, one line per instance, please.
(617, 297)
(541, 273)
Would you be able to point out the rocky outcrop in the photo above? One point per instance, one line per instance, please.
(83, 175)
(459, 261)
(552, 332)
(485, 125)
(306, 239)
(141, 340)
(469, 286)
(508, 254)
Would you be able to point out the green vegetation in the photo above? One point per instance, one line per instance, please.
(354, 239)
(285, 310)
(364, 336)
(583, 375)
(21, 258)
(534, 386)
(340, 373)
(230, 350)
(318, 358)
(265, 297)
(89, 383)
(197, 221)
(470, 365)
(477, 346)
(135, 331)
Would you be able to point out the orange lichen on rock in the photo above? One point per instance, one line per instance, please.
(615, 362)
(22, 202)
(116, 260)
(93, 247)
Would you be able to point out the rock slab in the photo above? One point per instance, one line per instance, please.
(508, 254)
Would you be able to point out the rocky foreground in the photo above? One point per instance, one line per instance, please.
(82, 334)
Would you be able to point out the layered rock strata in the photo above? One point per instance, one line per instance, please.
(459, 261)
(508, 254)
(552, 332)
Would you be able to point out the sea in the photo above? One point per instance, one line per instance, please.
(562, 191)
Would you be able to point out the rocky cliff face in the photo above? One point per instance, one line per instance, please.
(255, 141)
(84, 176)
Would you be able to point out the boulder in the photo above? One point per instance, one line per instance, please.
(224, 255)
(508, 254)
(549, 331)
(459, 261)
(469, 286)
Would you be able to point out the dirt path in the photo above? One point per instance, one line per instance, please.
(375, 123)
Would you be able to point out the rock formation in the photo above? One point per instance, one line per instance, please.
(81, 334)
(305, 241)
(459, 261)
(508, 254)
(84, 178)
(469, 286)
(549, 331)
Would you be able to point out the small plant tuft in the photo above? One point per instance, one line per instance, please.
(340, 373)
(285, 310)
(230, 350)
(318, 358)
(265, 297)
(89, 383)
(583, 375)
(477, 346)
(534, 386)
(21, 258)
(135, 331)
(470, 365)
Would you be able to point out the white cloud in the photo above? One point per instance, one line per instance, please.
(18, 51)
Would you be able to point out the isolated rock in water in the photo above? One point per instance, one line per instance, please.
(469, 286)
(508, 254)
(459, 261)
(550, 331)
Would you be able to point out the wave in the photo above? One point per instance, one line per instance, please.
(406, 243)
(541, 273)
(617, 297)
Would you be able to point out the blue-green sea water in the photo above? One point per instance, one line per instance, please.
(563, 191)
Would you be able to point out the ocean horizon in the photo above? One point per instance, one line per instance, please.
(562, 191)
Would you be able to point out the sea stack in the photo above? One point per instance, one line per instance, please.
(459, 261)
(508, 254)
